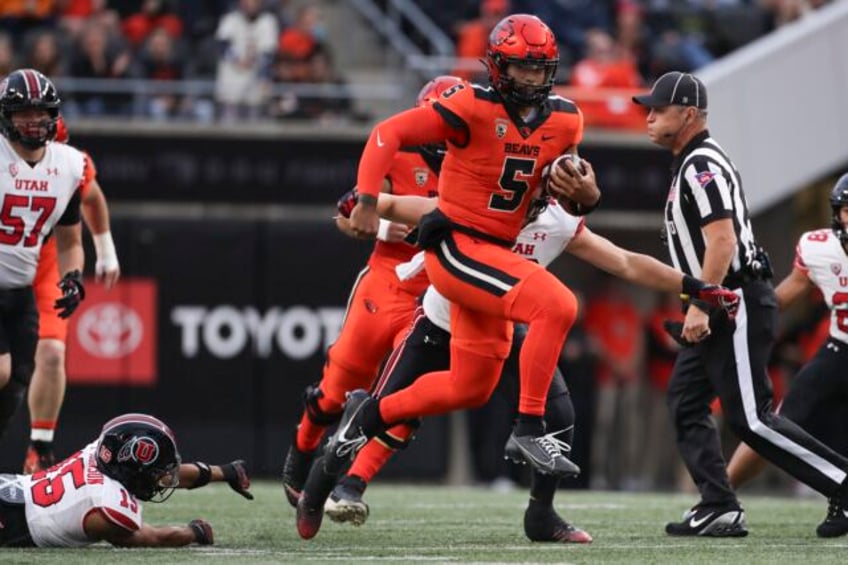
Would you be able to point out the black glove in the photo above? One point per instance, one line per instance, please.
(73, 292)
(235, 473)
(347, 202)
(675, 330)
(202, 532)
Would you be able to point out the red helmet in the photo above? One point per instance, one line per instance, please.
(521, 39)
(433, 89)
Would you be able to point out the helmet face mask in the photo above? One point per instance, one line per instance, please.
(140, 452)
(838, 199)
(522, 41)
(28, 89)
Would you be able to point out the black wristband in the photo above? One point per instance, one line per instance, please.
(691, 285)
(204, 477)
(368, 200)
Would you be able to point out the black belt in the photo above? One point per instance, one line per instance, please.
(739, 279)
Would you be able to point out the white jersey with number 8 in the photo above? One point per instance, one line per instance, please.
(820, 255)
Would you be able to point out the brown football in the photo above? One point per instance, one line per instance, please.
(575, 159)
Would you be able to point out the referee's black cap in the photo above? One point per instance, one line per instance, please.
(675, 88)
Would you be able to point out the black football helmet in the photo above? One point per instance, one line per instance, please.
(140, 452)
(23, 89)
(838, 199)
(523, 40)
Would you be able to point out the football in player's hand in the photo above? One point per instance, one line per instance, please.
(575, 160)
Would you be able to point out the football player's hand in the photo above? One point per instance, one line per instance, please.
(675, 330)
(364, 220)
(566, 181)
(696, 325)
(396, 232)
(716, 296)
(346, 203)
(107, 272)
(235, 473)
(202, 532)
(73, 292)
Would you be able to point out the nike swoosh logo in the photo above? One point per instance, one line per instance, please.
(380, 142)
(547, 137)
(697, 523)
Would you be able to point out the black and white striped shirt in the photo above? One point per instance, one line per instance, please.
(705, 187)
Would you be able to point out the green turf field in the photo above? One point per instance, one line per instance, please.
(412, 524)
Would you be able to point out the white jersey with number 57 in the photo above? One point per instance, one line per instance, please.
(59, 499)
(32, 201)
(820, 255)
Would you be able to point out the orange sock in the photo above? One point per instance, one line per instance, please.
(309, 433)
(376, 453)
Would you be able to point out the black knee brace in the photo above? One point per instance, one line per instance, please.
(11, 397)
(395, 443)
(311, 395)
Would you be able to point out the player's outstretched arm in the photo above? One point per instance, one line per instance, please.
(199, 474)
(638, 268)
(99, 528)
(795, 285)
(405, 209)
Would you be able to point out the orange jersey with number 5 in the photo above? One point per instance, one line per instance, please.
(487, 180)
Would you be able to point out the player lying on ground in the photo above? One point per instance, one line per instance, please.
(96, 493)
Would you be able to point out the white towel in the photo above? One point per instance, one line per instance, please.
(406, 271)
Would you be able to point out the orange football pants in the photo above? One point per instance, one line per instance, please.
(379, 311)
(490, 287)
(47, 291)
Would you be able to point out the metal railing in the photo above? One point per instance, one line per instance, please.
(389, 24)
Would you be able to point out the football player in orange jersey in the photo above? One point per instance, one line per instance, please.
(47, 388)
(499, 139)
(379, 307)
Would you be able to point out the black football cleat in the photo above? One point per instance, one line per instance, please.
(310, 507)
(835, 523)
(309, 518)
(544, 453)
(345, 503)
(545, 525)
(295, 471)
(712, 521)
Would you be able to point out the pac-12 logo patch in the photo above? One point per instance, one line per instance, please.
(421, 176)
(704, 178)
(835, 268)
(501, 126)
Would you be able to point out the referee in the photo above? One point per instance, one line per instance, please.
(709, 237)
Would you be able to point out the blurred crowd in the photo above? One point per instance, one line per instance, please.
(248, 47)
(607, 45)
(617, 362)
(270, 58)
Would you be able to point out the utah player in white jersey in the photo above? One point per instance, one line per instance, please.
(39, 188)
(549, 231)
(96, 493)
(818, 396)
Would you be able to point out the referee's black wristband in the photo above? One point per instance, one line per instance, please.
(204, 476)
(691, 286)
